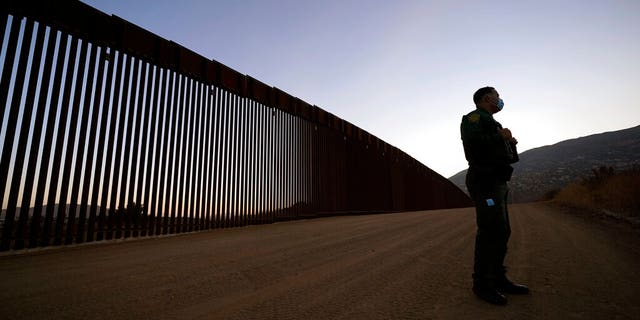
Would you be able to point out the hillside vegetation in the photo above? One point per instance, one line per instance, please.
(606, 191)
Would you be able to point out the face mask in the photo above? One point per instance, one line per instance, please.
(500, 104)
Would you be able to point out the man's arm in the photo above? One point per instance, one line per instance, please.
(483, 140)
(472, 132)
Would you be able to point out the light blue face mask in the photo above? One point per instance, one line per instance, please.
(500, 104)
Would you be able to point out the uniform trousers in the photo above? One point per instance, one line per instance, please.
(493, 232)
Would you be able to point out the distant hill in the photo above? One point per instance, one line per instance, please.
(3, 213)
(552, 167)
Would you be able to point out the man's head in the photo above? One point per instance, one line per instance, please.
(487, 98)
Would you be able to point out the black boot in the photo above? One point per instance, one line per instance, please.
(506, 286)
(490, 295)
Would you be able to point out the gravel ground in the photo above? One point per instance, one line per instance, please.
(414, 265)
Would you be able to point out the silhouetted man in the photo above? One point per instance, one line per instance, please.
(490, 151)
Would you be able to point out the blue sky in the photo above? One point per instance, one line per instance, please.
(406, 71)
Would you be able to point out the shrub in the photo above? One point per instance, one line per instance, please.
(605, 190)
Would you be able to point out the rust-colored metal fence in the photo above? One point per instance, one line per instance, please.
(109, 131)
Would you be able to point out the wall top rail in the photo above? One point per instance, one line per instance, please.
(86, 22)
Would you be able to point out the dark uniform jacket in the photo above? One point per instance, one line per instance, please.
(488, 154)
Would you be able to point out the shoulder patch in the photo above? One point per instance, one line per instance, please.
(473, 118)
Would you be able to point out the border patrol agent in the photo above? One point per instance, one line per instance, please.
(490, 151)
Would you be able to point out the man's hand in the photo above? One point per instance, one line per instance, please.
(506, 134)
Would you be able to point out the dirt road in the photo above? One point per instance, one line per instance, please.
(413, 265)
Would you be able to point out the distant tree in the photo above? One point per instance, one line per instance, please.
(134, 213)
(600, 174)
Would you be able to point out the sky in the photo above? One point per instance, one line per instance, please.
(405, 71)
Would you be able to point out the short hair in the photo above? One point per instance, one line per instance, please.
(481, 93)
